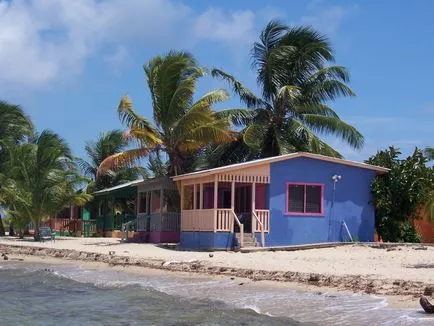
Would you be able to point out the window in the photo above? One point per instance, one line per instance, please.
(304, 199)
(224, 195)
(208, 195)
(197, 196)
(143, 202)
(188, 197)
(155, 201)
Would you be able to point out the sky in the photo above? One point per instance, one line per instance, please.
(67, 63)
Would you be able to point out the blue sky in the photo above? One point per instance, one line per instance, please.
(69, 62)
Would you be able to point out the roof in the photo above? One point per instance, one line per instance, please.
(137, 182)
(121, 186)
(233, 167)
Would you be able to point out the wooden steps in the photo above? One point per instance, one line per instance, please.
(249, 240)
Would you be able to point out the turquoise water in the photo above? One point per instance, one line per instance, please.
(72, 295)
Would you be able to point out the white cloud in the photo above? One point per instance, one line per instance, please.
(42, 41)
(327, 19)
(218, 25)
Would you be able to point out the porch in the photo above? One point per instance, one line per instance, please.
(157, 212)
(228, 203)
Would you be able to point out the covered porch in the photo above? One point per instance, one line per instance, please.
(157, 211)
(228, 202)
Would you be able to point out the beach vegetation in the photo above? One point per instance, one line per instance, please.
(40, 178)
(399, 194)
(107, 144)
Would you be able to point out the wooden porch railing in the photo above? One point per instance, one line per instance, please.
(241, 225)
(198, 220)
(225, 221)
(263, 216)
(170, 221)
(261, 225)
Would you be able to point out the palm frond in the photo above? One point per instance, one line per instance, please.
(238, 117)
(245, 95)
(336, 127)
(124, 159)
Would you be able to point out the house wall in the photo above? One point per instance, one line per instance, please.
(207, 240)
(350, 202)
(424, 227)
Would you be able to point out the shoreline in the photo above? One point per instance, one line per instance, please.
(399, 293)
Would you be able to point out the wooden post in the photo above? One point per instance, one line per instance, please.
(232, 203)
(216, 188)
(254, 202)
(161, 199)
(194, 196)
(200, 195)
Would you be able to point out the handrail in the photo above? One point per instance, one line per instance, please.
(125, 228)
(241, 225)
(262, 228)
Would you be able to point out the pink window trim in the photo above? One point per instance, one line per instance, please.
(304, 184)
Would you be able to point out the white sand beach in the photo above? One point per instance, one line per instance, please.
(404, 263)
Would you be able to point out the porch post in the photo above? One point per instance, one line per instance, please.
(253, 196)
(194, 196)
(161, 199)
(232, 203)
(200, 195)
(216, 188)
(182, 196)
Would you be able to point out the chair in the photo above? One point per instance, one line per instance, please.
(46, 234)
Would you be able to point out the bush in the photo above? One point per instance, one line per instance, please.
(409, 233)
(398, 195)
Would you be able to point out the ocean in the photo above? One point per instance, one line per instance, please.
(70, 294)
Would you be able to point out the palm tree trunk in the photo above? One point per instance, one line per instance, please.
(36, 229)
(2, 228)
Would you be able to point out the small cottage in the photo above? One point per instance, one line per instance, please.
(293, 199)
(147, 209)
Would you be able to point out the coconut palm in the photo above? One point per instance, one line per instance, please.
(297, 84)
(41, 179)
(107, 144)
(181, 125)
(14, 127)
(429, 153)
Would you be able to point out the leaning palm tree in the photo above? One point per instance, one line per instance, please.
(181, 125)
(297, 84)
(41, 179)
(107, 144)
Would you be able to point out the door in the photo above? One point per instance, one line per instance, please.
(243, 205)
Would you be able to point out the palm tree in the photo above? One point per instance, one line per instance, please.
(297, 82)
(14, 127)
(107, 144)
(41, 179)
(429, 153)
(181, 125)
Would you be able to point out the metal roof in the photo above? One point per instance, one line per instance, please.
(121, 186)
(232, 167)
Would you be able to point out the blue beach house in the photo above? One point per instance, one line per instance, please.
(293, 199)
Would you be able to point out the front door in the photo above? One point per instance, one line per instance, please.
(243, 205)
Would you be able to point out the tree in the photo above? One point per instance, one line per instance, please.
(14, 127)
(297, 82)
(41, 179)
(429, 153)
(107, 144)
(399, 194)
(181, 126)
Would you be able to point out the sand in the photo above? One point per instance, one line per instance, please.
(402, 272)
